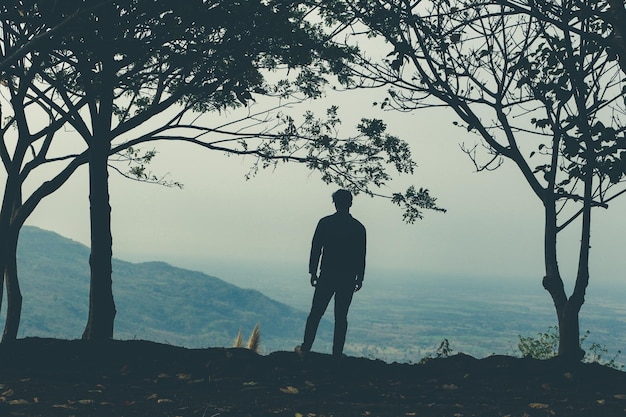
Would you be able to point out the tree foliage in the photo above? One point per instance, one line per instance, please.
(611, 14)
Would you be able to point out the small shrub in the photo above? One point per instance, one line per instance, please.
(546, 346)
(597, 353)
(443, 351)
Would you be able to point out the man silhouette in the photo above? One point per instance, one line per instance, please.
(340, 241)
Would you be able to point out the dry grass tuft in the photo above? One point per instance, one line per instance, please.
(238, 340)
(254, 343)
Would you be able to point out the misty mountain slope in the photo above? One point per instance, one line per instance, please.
(155, 301)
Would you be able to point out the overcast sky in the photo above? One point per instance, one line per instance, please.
(493, 227)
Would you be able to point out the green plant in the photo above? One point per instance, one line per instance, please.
(597, 353)
(443, 351)
(545, 346)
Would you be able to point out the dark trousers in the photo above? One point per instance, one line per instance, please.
(343, 290)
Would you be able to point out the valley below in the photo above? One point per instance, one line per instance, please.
(396, 317)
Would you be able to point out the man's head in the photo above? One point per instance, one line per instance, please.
(342, 199)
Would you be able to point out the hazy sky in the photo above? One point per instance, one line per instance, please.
(493, 226)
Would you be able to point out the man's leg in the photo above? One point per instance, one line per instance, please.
(343, 298)
(321, 298)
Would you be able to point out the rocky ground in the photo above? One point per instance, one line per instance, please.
(49, 377)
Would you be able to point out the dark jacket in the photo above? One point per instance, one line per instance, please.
(340, 241)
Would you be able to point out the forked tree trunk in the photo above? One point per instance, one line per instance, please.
(571, 337)
(566, 309)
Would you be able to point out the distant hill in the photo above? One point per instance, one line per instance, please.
(155, 301)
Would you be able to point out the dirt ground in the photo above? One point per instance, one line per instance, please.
(49, 377)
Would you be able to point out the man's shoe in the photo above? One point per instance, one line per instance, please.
(300, 352)
(338, 358)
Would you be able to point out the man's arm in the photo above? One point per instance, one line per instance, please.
(316, 252)
(362, 250)
(361, 267)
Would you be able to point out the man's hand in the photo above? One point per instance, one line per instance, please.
(313, 280)
(358, 285)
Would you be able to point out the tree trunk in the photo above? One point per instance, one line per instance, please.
(100, 91)
(569, 326)
(569, 334)
(8, 242)
(552, 281)
(101, 304)
(14, 295)
(2, 281)
(1, 289)
(566, 309)
(569, 346)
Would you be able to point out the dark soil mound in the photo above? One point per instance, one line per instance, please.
(48, 377)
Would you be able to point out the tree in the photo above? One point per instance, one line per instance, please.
(541, 90)
(25, 144)
(205, 55)
(130, 72)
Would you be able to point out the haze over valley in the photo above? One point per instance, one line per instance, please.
(401, 318)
